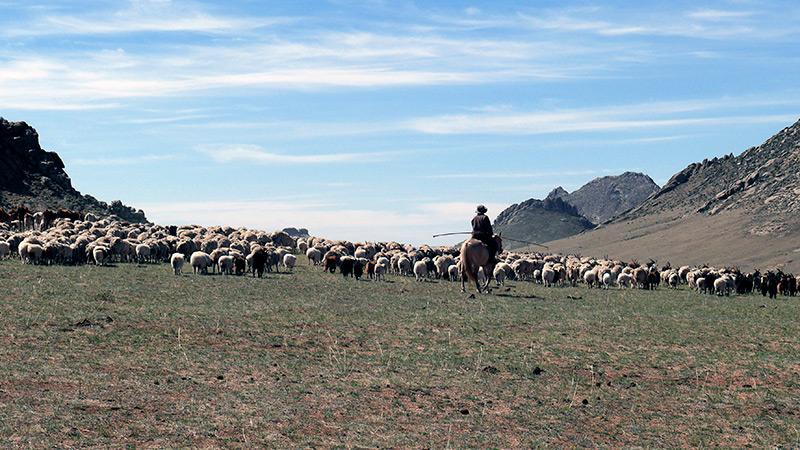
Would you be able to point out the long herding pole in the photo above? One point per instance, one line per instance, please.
(506, 238)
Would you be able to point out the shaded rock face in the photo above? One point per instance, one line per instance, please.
(296, 232)
(603, 199)
(21, 158)
(562, 214)
(36, 178)
(764, 181)
(540, 221)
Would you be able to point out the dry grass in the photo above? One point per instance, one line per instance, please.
(96, 356)
(723, 240)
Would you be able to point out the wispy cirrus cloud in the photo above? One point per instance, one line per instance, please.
(139, 16)
(719, 14)
(530, 124)
(642, 116)
(321, 58)
(257, 154)
(122, 161)
(332, 60)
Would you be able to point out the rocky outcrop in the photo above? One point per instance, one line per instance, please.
(727, 211)
(603, 199)
(296, 232)
(763, 181)
(33, 177)
(540, 221)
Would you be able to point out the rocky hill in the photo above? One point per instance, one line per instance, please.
(603, 199)
(763, 180)
(540, 221)
(733, 210)
(33, 177)
(562, 214)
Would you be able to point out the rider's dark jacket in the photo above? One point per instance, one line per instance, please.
(482, 231)
(482, 227)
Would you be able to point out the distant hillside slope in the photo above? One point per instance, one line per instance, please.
(736, 210)
(605, 198)
(36, 178)
(540, 221)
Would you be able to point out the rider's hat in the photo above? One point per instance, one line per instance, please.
(482, 209)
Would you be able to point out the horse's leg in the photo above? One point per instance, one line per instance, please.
(486, 283)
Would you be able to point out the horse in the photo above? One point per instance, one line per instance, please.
(474, 256)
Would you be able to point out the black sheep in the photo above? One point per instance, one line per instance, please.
(358, 269)
(346, 266)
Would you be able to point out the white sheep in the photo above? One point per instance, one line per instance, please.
(548, 276)
(289, 261)
(385, 262)
(500, 275)
(22, 249)
(225, 263)
(683, 273)
(721, 286)
(280, 253)
(35, 253)
(590, 278)
(608, 280)
(314, 256)
(537, 275)
(176, 261)
(453, 273)
(200, 262)
(142, 253)
(673, 280)
(701, 284)
(624, 280)
(421, 270)
(100, 254)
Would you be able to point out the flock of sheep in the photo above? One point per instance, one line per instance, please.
(235, 251)
(377, 259)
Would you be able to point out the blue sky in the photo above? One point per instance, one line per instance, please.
(387, 120)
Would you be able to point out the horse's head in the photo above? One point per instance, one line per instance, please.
(498, 238)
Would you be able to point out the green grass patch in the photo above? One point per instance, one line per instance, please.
(110, 356)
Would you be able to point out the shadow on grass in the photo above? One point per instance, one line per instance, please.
(520, 296)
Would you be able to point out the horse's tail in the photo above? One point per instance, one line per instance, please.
(466, 267)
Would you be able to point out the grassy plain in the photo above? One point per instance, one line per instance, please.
(112, 356)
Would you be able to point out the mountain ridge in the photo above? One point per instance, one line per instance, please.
(562, 214)
(604, 198)
(728, 210)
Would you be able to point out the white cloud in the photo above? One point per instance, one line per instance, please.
(718, 14)
(121, 161)
(167, 119)
(321, 60)
(529, 124)
(703, 24)
(138, 16)
(254, 153)
(721, 111)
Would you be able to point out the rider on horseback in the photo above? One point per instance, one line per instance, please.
(482, 231)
